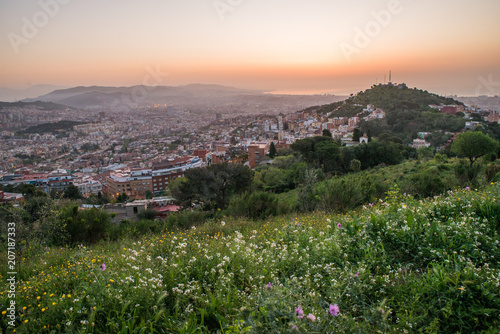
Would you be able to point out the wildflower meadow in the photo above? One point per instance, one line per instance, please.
(400, 265)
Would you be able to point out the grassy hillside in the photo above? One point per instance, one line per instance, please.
(398, 265)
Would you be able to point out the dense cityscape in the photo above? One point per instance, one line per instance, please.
(116, 152)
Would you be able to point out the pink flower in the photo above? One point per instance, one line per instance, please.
(269, 285)
(357, 274)
(339, 225)
(294, 327)
(334, 310)
(311, 317)
(103, 266)
(300, 312)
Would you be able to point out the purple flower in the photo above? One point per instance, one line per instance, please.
(103, 266)
(370, 205)
(467, 188)
(269, 285)
(300, 312)
(334, 310)
(294, 327)
(311, 317)
(339, 225)
(357, 274)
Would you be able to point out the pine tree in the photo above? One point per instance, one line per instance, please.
(272, 150)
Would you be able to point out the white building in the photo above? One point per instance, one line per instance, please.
(419, 143)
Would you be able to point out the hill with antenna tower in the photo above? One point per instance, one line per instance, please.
(407, 110)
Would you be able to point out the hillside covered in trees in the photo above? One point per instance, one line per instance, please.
(52, 127)
(38, 104)
(407, 111)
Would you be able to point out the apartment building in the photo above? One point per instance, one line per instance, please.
(141, 181)
(256, 153)
(88, 186)
(118, 182)
(161, 178)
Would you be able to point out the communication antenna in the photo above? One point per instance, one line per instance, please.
(390, 76)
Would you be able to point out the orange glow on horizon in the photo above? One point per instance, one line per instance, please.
(258, 45)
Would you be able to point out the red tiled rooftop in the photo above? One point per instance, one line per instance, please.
(167, 208)
(33, 176)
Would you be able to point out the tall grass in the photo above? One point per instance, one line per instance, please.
(398, 265)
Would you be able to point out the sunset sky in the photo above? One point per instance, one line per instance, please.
(445, 46)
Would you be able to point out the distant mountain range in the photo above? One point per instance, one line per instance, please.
(12, 95)
(98, 96)
(194, 97)
(95, 97)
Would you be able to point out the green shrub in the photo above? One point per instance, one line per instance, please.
(85, 226)
(135, 228)
(257, 205)
(440, 157)
(148, 214)
(491, 172)
(355, 165)
(427, 183)
(468, 174)
(186, 219)
(345, 193)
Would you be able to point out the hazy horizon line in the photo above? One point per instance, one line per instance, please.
(270, 91)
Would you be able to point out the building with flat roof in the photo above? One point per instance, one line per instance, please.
(256, 153)
(141, 181)
(161, 178)
(117, 183)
